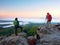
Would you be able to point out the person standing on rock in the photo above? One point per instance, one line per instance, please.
(16, 25)
(49, 19)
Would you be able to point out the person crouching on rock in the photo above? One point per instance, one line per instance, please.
(16, 25)
(38, 35)
(49, 19)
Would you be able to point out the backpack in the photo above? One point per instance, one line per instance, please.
(16, 23)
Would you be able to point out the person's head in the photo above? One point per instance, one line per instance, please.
(48, 13)
(16, 18)
(39, 28)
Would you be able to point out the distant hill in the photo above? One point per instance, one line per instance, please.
(8, 21)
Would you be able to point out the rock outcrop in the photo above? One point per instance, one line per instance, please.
(15, 40)
(50, 36)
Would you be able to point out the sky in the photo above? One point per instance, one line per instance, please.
(29, 8)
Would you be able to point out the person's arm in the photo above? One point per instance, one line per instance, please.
(46, 17)
(13, 22)
(38, 32)
(18, 23)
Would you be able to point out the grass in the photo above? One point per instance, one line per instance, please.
(6, 31)
(30, 30)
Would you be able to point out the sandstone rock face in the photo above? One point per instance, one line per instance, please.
(22, 40)
(15, 40)
(50, 36)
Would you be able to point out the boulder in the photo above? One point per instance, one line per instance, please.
(22, 34)
(22, 40)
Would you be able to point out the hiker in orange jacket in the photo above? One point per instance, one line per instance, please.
(49, 19)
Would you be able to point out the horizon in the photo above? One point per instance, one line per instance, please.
(29, 8)
(35, 20)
